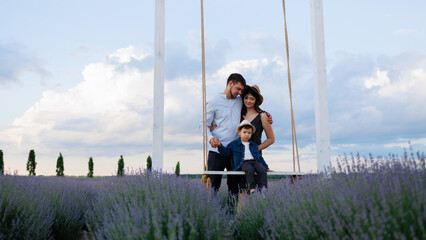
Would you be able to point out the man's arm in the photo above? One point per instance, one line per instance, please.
(214, 142)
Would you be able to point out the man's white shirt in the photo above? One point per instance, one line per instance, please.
(226, 114)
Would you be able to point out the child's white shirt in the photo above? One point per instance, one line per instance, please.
(247, 153)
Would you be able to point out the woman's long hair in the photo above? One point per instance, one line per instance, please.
(246, 91)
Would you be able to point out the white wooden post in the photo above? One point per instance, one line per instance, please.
(158, 111)
(320, 86)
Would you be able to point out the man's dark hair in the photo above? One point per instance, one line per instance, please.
(236, 78)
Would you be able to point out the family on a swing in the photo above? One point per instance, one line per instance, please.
(236, 125)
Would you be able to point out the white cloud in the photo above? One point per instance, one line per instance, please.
(125, 55)
(378, 98)
(405, 143)
(400, 145)
(105, 108)
(411, 84)
(339, 146)
(421, 141)
(237, 66)
(380, 79)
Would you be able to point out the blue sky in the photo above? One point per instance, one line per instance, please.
(76, 77)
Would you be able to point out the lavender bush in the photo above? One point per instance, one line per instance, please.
(150, 205)
(24, 212)
(69, 198)
(359, 199)
(42, 207)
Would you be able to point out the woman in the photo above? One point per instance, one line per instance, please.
(251, 112)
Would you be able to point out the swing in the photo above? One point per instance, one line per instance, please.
(205, 177)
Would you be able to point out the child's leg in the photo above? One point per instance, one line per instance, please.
(261, 172)
(249, 170)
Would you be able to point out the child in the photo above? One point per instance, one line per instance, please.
(246, 155)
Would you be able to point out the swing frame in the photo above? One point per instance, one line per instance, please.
(320, 85)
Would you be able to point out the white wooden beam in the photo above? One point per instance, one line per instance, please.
(158, 111)
(320, 86)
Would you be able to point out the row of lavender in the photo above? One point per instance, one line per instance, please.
(145, 205)
(361, 198)
(157, 206)
(43, 207)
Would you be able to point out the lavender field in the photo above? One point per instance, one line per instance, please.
(361, 198)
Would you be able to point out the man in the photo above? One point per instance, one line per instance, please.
(224, 110)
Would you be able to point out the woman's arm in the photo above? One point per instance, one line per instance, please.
(270, 138)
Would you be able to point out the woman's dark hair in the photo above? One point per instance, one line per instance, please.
(246, 91)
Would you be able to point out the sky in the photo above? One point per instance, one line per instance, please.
(76, 77)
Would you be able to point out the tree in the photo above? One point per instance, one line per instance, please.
(1, 163)
(120, 171)
(177, 170)
(31, 163)
(60, 166)
(90, 174)
(149, 163)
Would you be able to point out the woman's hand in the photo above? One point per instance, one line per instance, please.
(269, 170)
(269, 118)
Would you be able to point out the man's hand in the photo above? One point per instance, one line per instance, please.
(212, 127)
(214, 142)
(269, 116)
(269, 170)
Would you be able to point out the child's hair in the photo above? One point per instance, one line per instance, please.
(247, 127)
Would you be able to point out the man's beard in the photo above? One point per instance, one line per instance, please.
(232, 95)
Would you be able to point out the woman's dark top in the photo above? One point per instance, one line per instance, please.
(257, 135)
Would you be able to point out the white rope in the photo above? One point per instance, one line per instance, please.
(203, 67)
(293, 125)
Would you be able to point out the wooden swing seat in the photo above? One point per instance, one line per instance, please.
(243, 173)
